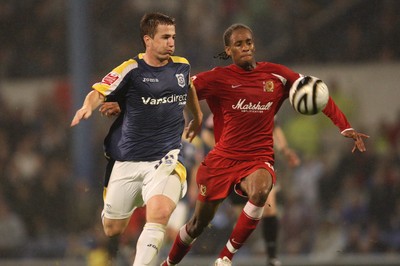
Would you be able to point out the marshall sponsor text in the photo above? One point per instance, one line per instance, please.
(252, 107)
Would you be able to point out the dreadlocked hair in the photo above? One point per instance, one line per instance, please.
(223, 56)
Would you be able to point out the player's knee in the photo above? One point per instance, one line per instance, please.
(112, 228)
(111, 231)
(160, 215)
(258, 186)
(259, 196)
(159, 209)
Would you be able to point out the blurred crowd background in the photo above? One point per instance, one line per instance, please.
(335, 203)
(35, 32)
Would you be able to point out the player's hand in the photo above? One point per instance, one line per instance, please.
(83, 113)
(192, 129)
(358, 139)
(110, 109)
(291, 157)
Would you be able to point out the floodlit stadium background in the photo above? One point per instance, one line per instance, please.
(337, 208)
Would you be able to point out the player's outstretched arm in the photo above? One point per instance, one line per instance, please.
(92, 101)
(339, 119)
(358, 139)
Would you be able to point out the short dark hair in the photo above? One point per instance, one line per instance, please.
(150, 21)
(227, 38)
(228, 32)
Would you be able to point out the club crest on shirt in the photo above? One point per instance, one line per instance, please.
(203, 190)
(268, 86)
(181, 80)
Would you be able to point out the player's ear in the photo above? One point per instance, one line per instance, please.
(146, 39)
(228, 50)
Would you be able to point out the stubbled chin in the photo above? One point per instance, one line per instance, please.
(247, 65)
(165, 56)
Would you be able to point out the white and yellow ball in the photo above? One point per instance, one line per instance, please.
(308, 95)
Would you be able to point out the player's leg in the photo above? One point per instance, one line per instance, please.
(113, 242)
(161, 192)
(257, 186)
(177, 220)
(124, 186)
(270, 228)
(237, 202)
(203, 214)
(158, 211)
(270, 225)
(214, 183)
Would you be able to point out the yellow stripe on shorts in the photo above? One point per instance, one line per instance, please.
(104, 192)
(181, 171)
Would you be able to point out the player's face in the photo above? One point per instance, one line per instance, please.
(162, 46)
(241, 49)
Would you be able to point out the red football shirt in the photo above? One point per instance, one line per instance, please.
(244, 104)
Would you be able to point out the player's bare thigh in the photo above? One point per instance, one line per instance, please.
(165, 191)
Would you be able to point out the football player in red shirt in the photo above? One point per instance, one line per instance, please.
(244, 97)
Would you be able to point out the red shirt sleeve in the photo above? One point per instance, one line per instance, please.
(332, 111)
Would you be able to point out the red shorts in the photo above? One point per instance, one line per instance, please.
(217, 176)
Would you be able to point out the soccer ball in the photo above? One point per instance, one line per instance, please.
(308, 95)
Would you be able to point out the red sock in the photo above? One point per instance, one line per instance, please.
(181, 246)
(245, 225)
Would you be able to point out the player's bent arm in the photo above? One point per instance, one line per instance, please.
(279, 139)
(282, 146)
(194, 107)
(339, 119)
(92, 101)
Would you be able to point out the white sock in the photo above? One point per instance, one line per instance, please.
(149, 243)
